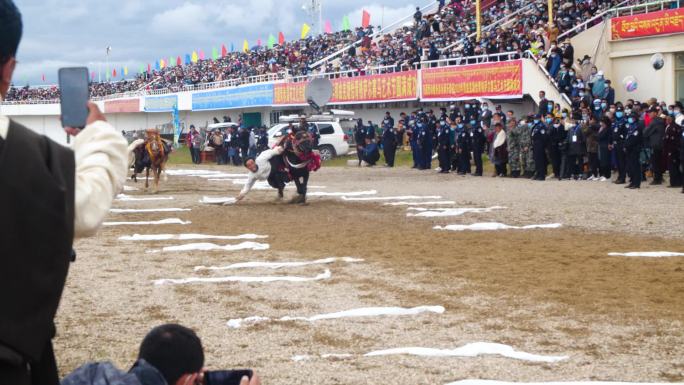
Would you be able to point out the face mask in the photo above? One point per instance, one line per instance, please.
(565, 115)
(536, 121)
(604, 105)
(677, 112)
(460, 125)
(571, 73)
(630, 120)
(581, 94)
(549, 120)
(597, 108)
(619, 114)
(485, 108)
(585, 117)
(467, 106)
(628, 111)
(612, 110)
(556, 125)
(472, 122)
(549, 108)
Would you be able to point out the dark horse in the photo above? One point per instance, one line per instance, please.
(152, 154)
(300, 159)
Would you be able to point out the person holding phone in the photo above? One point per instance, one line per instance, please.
(49, 194)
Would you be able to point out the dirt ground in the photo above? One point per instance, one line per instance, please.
(550, 292)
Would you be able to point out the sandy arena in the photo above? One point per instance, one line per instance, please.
(549, 292)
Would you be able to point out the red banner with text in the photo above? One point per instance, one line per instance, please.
(489, 80)
(650, 24)
(125, 105)
(361, 89)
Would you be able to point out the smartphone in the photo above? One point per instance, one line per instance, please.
(226, 377)
(73, 87)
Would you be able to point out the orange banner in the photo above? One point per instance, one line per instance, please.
(649, 24)
(489, 80)
(122, 105)
(361, 89)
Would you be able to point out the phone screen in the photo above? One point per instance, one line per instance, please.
(73, 87)
(226, 377)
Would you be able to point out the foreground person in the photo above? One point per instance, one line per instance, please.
(49, 194)
(169, 355)
(267, 166)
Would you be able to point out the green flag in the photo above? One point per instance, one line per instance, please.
(271, 41)
(346, 25)
(142, 68)
(214, 54)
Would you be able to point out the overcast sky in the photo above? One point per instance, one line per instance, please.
(59, 33)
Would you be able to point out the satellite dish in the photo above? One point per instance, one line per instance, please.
(318, 92)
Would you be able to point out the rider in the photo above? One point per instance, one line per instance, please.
(267, 166)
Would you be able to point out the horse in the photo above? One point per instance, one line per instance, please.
(300, 159)
(150, 154)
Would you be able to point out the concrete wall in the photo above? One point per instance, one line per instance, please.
(632, 57)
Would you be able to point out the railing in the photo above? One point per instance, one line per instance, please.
(458, 61)
(20, 102)
(549, 77)
(431, 4)
(265, 78)
(617, 11)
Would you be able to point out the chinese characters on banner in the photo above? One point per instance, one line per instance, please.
(489, 80)
(650, 24)
(361, 89)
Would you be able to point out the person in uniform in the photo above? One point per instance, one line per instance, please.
(673, 133)
(633, 146)
(445, 146)
(360, 140)
(477, 145)
(577, 146)
(430, 140)
(653, 138)
(514, 139)
(422, 134)
(557, 137)
(604, 141)
(49, 195)
(527, 154)
(389, 140)
(618, 136)
(540, 139)
(463, 145)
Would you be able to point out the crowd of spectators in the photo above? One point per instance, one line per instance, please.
(448, 33)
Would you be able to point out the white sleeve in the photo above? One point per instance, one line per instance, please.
(101, 162)
(251, 179)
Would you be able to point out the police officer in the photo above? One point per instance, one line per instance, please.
(557, 138)
(422, 141)
(360, 139)
(577, 147)
(619, 134)
(412, 132)
(486, 115)
(477, 145)
(633, 145)
(540, 138)
(389, 140)
(388, 121)
(463, 143)
(453, 113)
(471, 111)
(445, 145)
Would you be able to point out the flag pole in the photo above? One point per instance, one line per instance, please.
(550, 5)
(478, 17)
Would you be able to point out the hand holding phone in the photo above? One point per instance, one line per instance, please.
(74, 93)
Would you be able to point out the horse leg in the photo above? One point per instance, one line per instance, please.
(157, 176)
(147, 178)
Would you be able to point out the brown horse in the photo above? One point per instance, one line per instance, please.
(300, 159)
(152, 154)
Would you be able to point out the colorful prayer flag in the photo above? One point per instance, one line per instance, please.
(328, 27)
(125, 71)
(224, 51)
(232, 47)
(201, 54)
(259, 42)
(281, 38)
(187, 59)
(162, 64)
(271, 41)
(346, 25)
(179, 62)
(114, 73)
(305, 30)
(245, 46)
(365, 19)
(194, 57)
(214, 53)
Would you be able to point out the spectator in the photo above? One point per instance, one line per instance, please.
(52, 194)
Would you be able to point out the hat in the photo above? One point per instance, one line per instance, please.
(600, 73)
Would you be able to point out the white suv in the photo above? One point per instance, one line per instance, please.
(333, 142)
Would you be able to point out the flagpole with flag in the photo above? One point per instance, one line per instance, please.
(109, 49)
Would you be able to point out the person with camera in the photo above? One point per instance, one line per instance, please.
(49, 195)
(169, 354)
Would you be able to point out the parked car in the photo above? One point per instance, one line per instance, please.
(331, 126)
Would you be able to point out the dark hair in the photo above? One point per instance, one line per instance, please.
(247, 160)
(174, 350)
(10, 30)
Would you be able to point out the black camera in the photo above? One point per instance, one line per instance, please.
(226, 377)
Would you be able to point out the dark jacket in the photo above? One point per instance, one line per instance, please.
(577, 143)
(654, 133)
(591, 135)
(36, 233)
